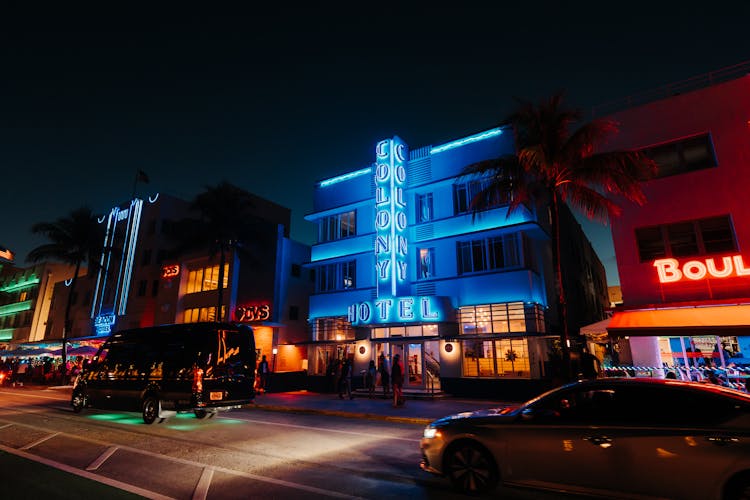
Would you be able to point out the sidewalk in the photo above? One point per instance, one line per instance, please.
(415, 411)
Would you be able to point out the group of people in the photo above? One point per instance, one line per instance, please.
(38, 370)
(390, 376)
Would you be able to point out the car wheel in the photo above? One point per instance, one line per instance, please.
(471, 468)
(201, 414)
(738, 488)
(150, 409)
(78, 402)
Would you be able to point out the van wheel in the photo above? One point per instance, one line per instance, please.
(150, 409)
(78, 401)
(201, 414)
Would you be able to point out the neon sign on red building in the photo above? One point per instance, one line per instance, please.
(253, 313)
(672, 271)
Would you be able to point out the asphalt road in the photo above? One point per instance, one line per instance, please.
(246, 453)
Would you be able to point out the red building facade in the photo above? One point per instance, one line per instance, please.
(684, 257)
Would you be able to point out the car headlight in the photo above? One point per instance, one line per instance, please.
(431, 432)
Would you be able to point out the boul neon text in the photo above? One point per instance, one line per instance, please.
(670, 270)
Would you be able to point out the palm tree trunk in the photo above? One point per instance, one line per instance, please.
(562, 301)
(66, 323)
(222, 260)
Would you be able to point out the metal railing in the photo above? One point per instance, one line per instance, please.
(694, 83)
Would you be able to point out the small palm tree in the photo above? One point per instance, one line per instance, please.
(510, 355)
(227, 220)
(75, 239)
(557, 164)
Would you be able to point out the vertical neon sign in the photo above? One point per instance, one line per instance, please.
(390, 218)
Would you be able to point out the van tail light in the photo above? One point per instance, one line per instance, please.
(197, 380)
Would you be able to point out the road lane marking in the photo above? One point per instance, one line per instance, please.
(201, 490)
(308, 427)
(248, 475)
(102, 458)
(39, 441)
(32, 396)
(4, 426)
(88, 475)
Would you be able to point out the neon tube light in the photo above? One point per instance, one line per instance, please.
(345, 177)
(670, 271)
(20, 284)
(466, 140)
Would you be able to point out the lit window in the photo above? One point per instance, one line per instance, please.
(426, 264)
(424, 207)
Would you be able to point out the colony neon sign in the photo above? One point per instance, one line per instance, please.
(670, 270)
(390, 218)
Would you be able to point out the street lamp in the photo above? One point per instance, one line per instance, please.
(274, 351)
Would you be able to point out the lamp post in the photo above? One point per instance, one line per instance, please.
(274, 351)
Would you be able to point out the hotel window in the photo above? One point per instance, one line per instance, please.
(336, 227)
(496, 358)
(338, 276)
(201, 314)
(499, 252)
(146, 258)
(509, 317)
(686, 239)
(684, 155)
(464, 193)
(425, 263)
(142, 285)
(424, 207)
(207, 278)
(333, 328)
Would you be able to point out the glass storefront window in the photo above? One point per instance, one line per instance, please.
(430, 330)
(496, 358)
(498, 318)
(333, 328)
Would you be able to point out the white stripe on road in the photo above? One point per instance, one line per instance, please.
(248, 475)
(201, 491)
(102, 458)
(39, 441)
(88, 475)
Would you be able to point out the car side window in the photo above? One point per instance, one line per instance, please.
(677, 406)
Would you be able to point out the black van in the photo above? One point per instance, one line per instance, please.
(199, 367)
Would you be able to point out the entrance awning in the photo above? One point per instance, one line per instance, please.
(597, 331)
(697, 320)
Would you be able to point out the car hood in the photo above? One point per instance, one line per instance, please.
(506, 413)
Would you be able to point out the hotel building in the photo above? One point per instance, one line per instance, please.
(403, 266)
(141, 282)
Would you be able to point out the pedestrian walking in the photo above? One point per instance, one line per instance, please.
(263, 374)
(345, 388)
(397, 381)
(385, 374)
(23, 367)
(371, 377)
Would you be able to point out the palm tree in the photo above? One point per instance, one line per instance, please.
(227, 220)
(555, 164)
(75, 239)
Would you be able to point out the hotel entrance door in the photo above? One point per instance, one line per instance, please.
(421, 366)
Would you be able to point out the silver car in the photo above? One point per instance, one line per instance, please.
(616, 438)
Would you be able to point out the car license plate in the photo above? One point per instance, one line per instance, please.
(216, 395)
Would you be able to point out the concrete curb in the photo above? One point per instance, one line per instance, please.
(344, 414)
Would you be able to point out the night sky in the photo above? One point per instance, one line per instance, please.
(274, 101)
